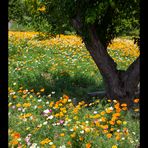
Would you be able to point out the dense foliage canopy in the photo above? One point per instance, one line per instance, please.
(112, 17)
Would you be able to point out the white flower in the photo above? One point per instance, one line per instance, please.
(50, 117)
(54, 124)
(39, 100)
(46, 111)
(131, 141)
(50, 143)
(23, 110)
(65, 123)
(134, 133)
(115, 101)
(34, 145)
(123, 138)
(12, 93)
(118, 130)
(47, 102)
(82, 132)
(95, 112)
(111, 108)
(69, 100)
(19, 109)
(63, 146)
(71, 130)
(100, 120)
(14, 83)
(19, 139)
(53, 92)
(45, 123)
(86, 122)
(40, 125)
(49, 96)
(35, 106)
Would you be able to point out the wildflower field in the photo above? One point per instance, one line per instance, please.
(47, 76)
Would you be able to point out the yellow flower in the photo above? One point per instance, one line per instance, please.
(105, 131)
(116, 115)
(108, 110)
(105, 127)
(75, 117)
(88, 145)
(73, 135)
(102, 113)
(124, 122)
(42, 9)
(14, 142)
(57, 115)
(114, 146)
(60, 104)
(45, 141)
(14, 97)
(124, 105)
(65, 97)
(136, 100)
(26, 105)
(81, 138)
(63, 109)
(69, 143)
(31, 96)
(112, 122)
(18, 105)
(53, 146)
(40, 106)
(136, 109)
(42, 90)
(32, 90)
(109, 135)
(87, 129)
(61, 114)
(21, 88)
(24, 96)
(26, 115)
(95, 116)
(38, 93)
(51, 104)
(117, 106)
(62, 134)
(103, 119)
(124, 108)
(119, 122)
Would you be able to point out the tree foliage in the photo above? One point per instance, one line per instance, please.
(112, 17)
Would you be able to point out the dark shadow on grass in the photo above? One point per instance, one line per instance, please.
(76, 86)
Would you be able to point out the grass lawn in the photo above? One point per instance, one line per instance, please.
(45, 76)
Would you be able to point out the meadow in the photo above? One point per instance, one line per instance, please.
(46, 76)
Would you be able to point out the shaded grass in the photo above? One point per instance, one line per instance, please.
(54, 70)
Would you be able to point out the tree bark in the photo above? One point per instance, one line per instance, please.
(120, 85)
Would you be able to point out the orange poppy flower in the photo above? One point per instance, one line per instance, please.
(136, 100)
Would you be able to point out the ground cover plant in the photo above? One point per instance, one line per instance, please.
(47, 76)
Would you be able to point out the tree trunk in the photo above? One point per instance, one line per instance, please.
(120, 85)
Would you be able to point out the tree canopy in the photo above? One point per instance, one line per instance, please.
(112, 17)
